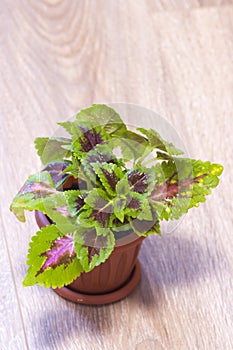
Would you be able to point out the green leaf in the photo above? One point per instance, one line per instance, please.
(73, 168)
(76, 171)
(156, 141)
(146, 223)
(123, 187)
(56, 208)
(103, 116)
(67, 126)
(93, 246)
(52, 259)
(132, 145)
(76, 201)
(51, 149)
(146, 211)
(119, 207)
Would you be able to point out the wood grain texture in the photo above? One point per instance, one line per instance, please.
(174, 57)
(174, 5)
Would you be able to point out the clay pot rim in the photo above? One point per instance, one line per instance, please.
(123, 243)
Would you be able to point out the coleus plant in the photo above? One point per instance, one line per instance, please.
(103, 182)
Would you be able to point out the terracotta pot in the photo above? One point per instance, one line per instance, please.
(112, 280)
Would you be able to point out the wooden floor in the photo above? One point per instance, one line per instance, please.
(174, 57)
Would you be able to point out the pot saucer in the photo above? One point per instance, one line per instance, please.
(102, 299)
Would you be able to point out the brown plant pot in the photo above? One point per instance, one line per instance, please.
(112, 280)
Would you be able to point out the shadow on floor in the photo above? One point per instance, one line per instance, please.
(173, 260)
(55, 326)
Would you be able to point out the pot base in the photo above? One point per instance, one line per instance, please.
(102, 299)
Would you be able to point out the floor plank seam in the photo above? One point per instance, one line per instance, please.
(15, 287)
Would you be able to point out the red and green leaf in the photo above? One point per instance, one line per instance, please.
(93, 246)
(109, 174)
(61, 252)
(92, 127)
(102, 154)
(76, 201)
(98, 209)
(136, 203)
(141, 180)
(39, 193)
(57, 209)
(181, 185)
(52, 259)
(31, 195)
(38, 185)
(86, 139)
(57, 172)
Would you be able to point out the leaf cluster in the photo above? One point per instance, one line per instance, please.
(97, 183)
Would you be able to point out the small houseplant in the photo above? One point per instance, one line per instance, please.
(102, 189)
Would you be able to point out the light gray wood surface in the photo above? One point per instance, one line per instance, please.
(174, 57)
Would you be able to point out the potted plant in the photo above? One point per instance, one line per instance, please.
(101, 192)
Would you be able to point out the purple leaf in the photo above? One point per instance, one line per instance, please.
(133, 203)
(79, 201)
(61, 252)
(92, 252)
(111, 178)
(102, 217)
(90, 139)
(109, 175)
(138, 181)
